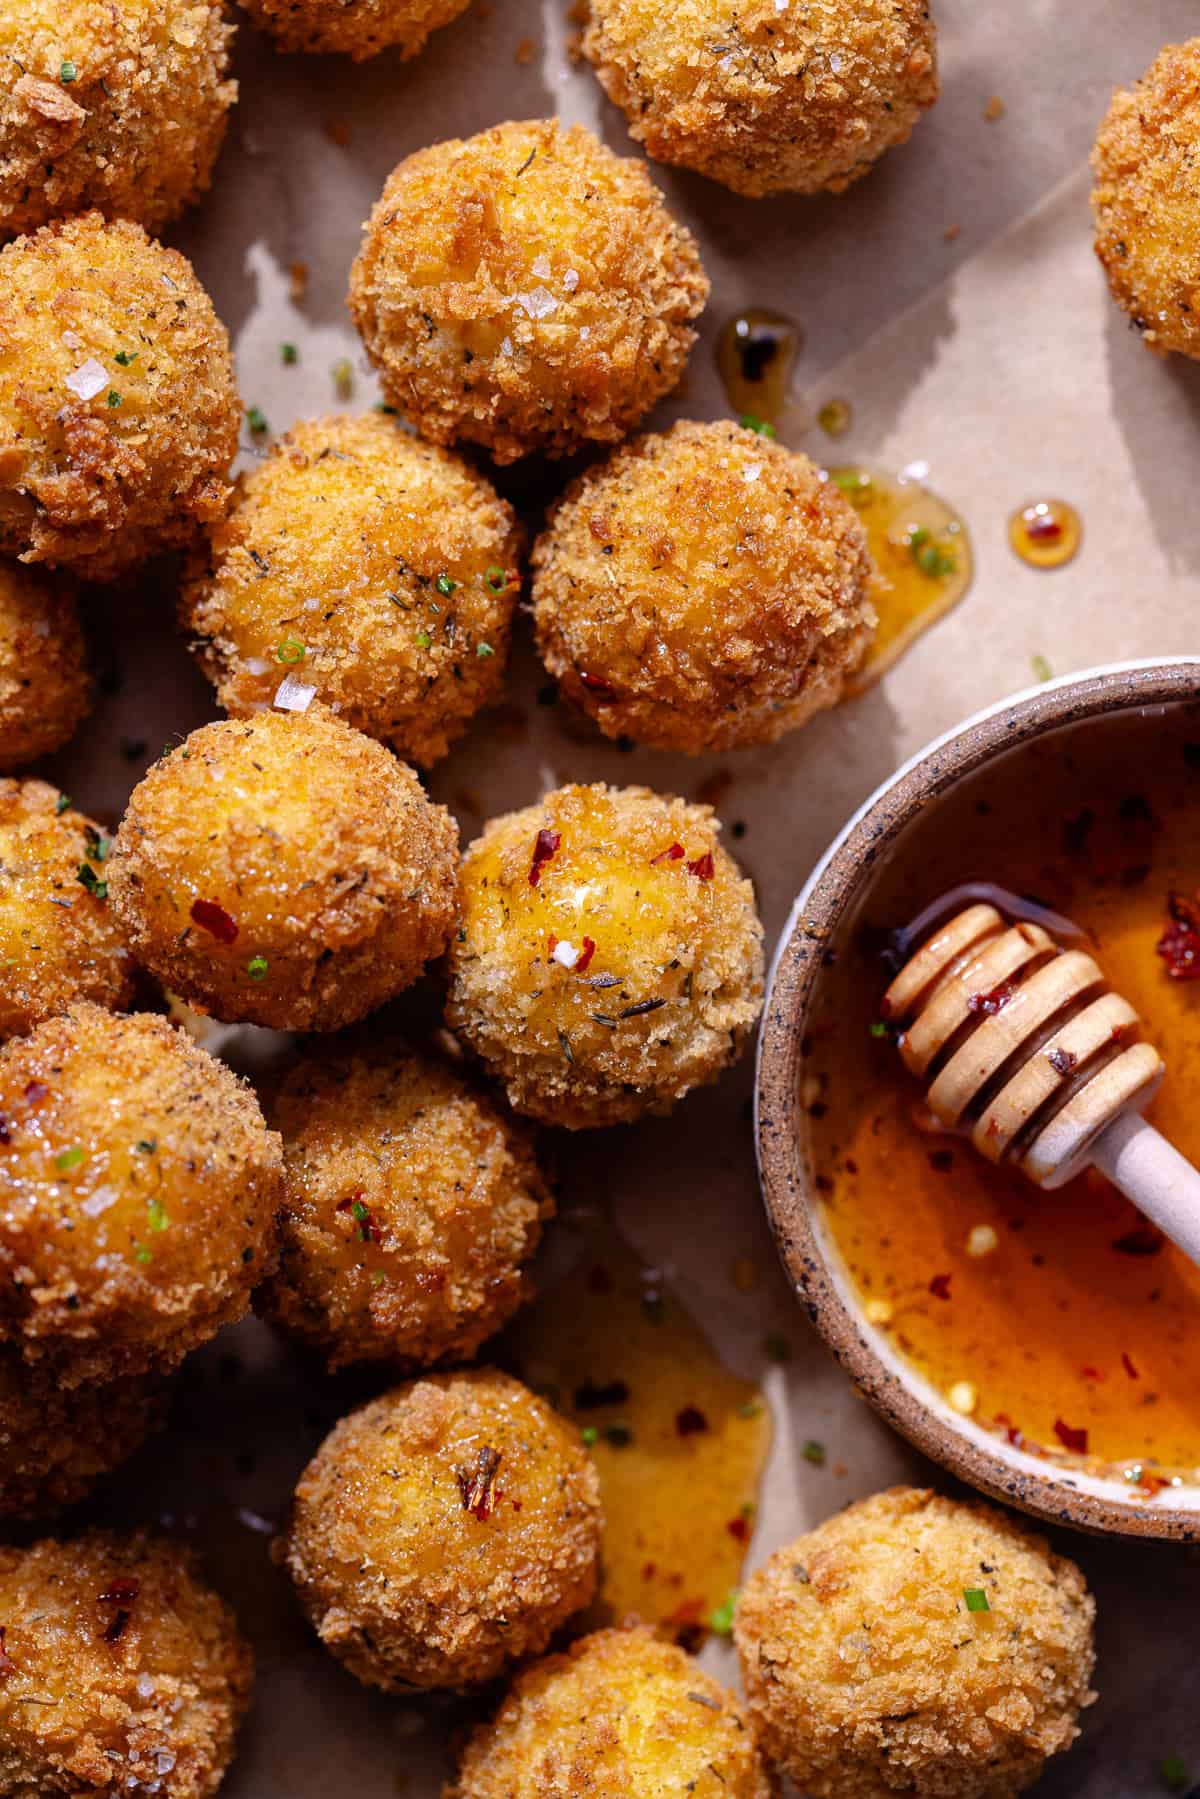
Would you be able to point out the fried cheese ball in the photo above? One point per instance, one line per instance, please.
(359, 30)
(765, 97)
(609, 957)
(444, 1531)
(45, 687)
(702, 590)
(621, 1713)
(379, 569)
(284, 870)
(119, 105)
(122, 1671)
(139, 1189)
(56, 1442)
(1145, 201)
(525, 289)
(870, 1674)
(118, 409)
(59, 941)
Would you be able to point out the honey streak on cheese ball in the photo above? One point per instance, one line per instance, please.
(702, 590)
(359, 30)
(45, 687)
(444, 1531)
(284, 870)
(56, 1441)
(609, 957)
(525, 290)
(374, 567)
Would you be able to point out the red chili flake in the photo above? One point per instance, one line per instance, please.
(7, 1664)
(939, 1286)
(703, 867)
(215, 920)
(1143, 1240)
(1127, 1364)
(478, 1485)
(991, 1003)
(1090, 1373)
(551, 944)
(35, 1090)
(604, 690)
(1042, 527)
(360, 1211)
(591, 1395)
(690, 1422)
(739, 1529)
(673, 854)
(545, 844)
(585, 956)
(1150, 1484)
(1062, 1061)
(1179, 945)
(1070, 1438)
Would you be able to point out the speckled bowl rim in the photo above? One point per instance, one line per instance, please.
(897, 1390)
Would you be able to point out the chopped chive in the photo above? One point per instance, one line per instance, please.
(125, 357)
(977, 1599)
(67, 1159)
(62, 804)
(763, 427)
(343, 378)
(288, 353)
(67, 70)
(142, 1254)
(158, 1215)
(87, 877)
(483, 651)
(423, 640)
(256, 418)
(147, 1145)
(114, 398)
(590, 1435)
(496, 578)
(257, 967)
(878, 1028)
(445, 585)
(290, 650)
(814, 1452)
(1042, 668)
(720, 1621)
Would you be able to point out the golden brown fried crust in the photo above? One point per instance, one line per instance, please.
(58, 939)
(139, 1189)
(45, 687)
(145, 1670)
(360, 30)
(102, 483)
(868, 1675)
(1144, 201)
(56, 1442)
(117, 107)
(413, 1207)
(669, 990)
(284, 870)
(702, 590)
(444, 1531)
(621, 1714)
(379, 569)
(525, 290)
(762, 98)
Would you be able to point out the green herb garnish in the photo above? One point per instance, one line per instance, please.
(423, 640)
(288, 353)
(814, 1452)
(147, 1145)
(87, 877)
(62, 804)
(125, 357)
(483, 651)
(590, 1435)
(114, 398)
(257, 967)
(67, 1159)
(445, 585)
(977, 1599)
(1041, 668)
(158, 1215)
(67, 71)
(142, 1254)
(256, 418)
(496, 578)
(343, 378)
(763, 427)
(290, 650)
(720, 1622)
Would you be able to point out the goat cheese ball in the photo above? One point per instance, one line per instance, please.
(445, 1531)
(705, 589)
(56, 1441)
(119, 105)
(379, 569)
(284, 870)
(609, 957)
(916, 1644)
(118, 409)
(359, 30)
(763, 97)
(45, 686)
(412, 1209)
(525, 290)
(139, 1188)
(621, 1713)
(1146, 203)
(123, 1672)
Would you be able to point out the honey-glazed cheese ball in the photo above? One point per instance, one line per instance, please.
(139, 1189)
(764, 96)
(525, 290)
(284, 870)
(412, 1209)
(1145, 202)
(119, 105)
(118, 409)
(45, 687)
(620, 1714)
(915, 1644)
(702, 590)
(379, 569)
(359, 30)
(121, 1671)
(444, 1531)
(609, 957)
(56, 1441)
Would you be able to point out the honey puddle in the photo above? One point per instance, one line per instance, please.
(756, 354)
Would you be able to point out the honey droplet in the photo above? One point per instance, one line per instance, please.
(1046, 533)
(756, 353)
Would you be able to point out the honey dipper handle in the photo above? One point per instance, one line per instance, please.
(1160, 1182)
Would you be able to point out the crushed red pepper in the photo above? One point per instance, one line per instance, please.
(215, 920)
(1127, 1364)
(703, 867)
(1179, 945)
(1070, 1438)
(545, 845)
(990, 1003)
(673, 853)
(939, 1286)
(585, 957)
(360, 1211)
(604, 690)
(478, 1485)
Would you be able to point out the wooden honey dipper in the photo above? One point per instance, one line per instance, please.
(1028, 1053)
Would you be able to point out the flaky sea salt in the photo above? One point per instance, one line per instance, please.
(539, 303)
(541, 268)
(571, 280)
(294, 696)
(752, 471)
(566, 953)
(88, 380)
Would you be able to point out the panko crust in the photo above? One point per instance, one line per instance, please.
(45, 686)
(667, 994)
(56, 1442)
(149, 1674)
(360, 29)
(139, 1190)
(288, 840)
(420, 1559)
(101, 484)
(763, 98)
(704, 589)
(869, 1677)
(621, 1713)
(1145, 200)
(135, 130)
(382, 570)
(525, 289)
(412, 1209)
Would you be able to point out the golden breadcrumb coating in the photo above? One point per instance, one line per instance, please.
(702, 590)
(359, 30)
(610, 954)
(56, 1442)
(1145, 202)
(413, 1207)
(102, 482)
(444, 1531)
(377, 568)
(869, 1675)
(620, 1714)
(118, 106)
(139, 1189)
(45, 687)
(525, 290)
(122, 1671)
(284, 870)
(59, 941)
(766, 97)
